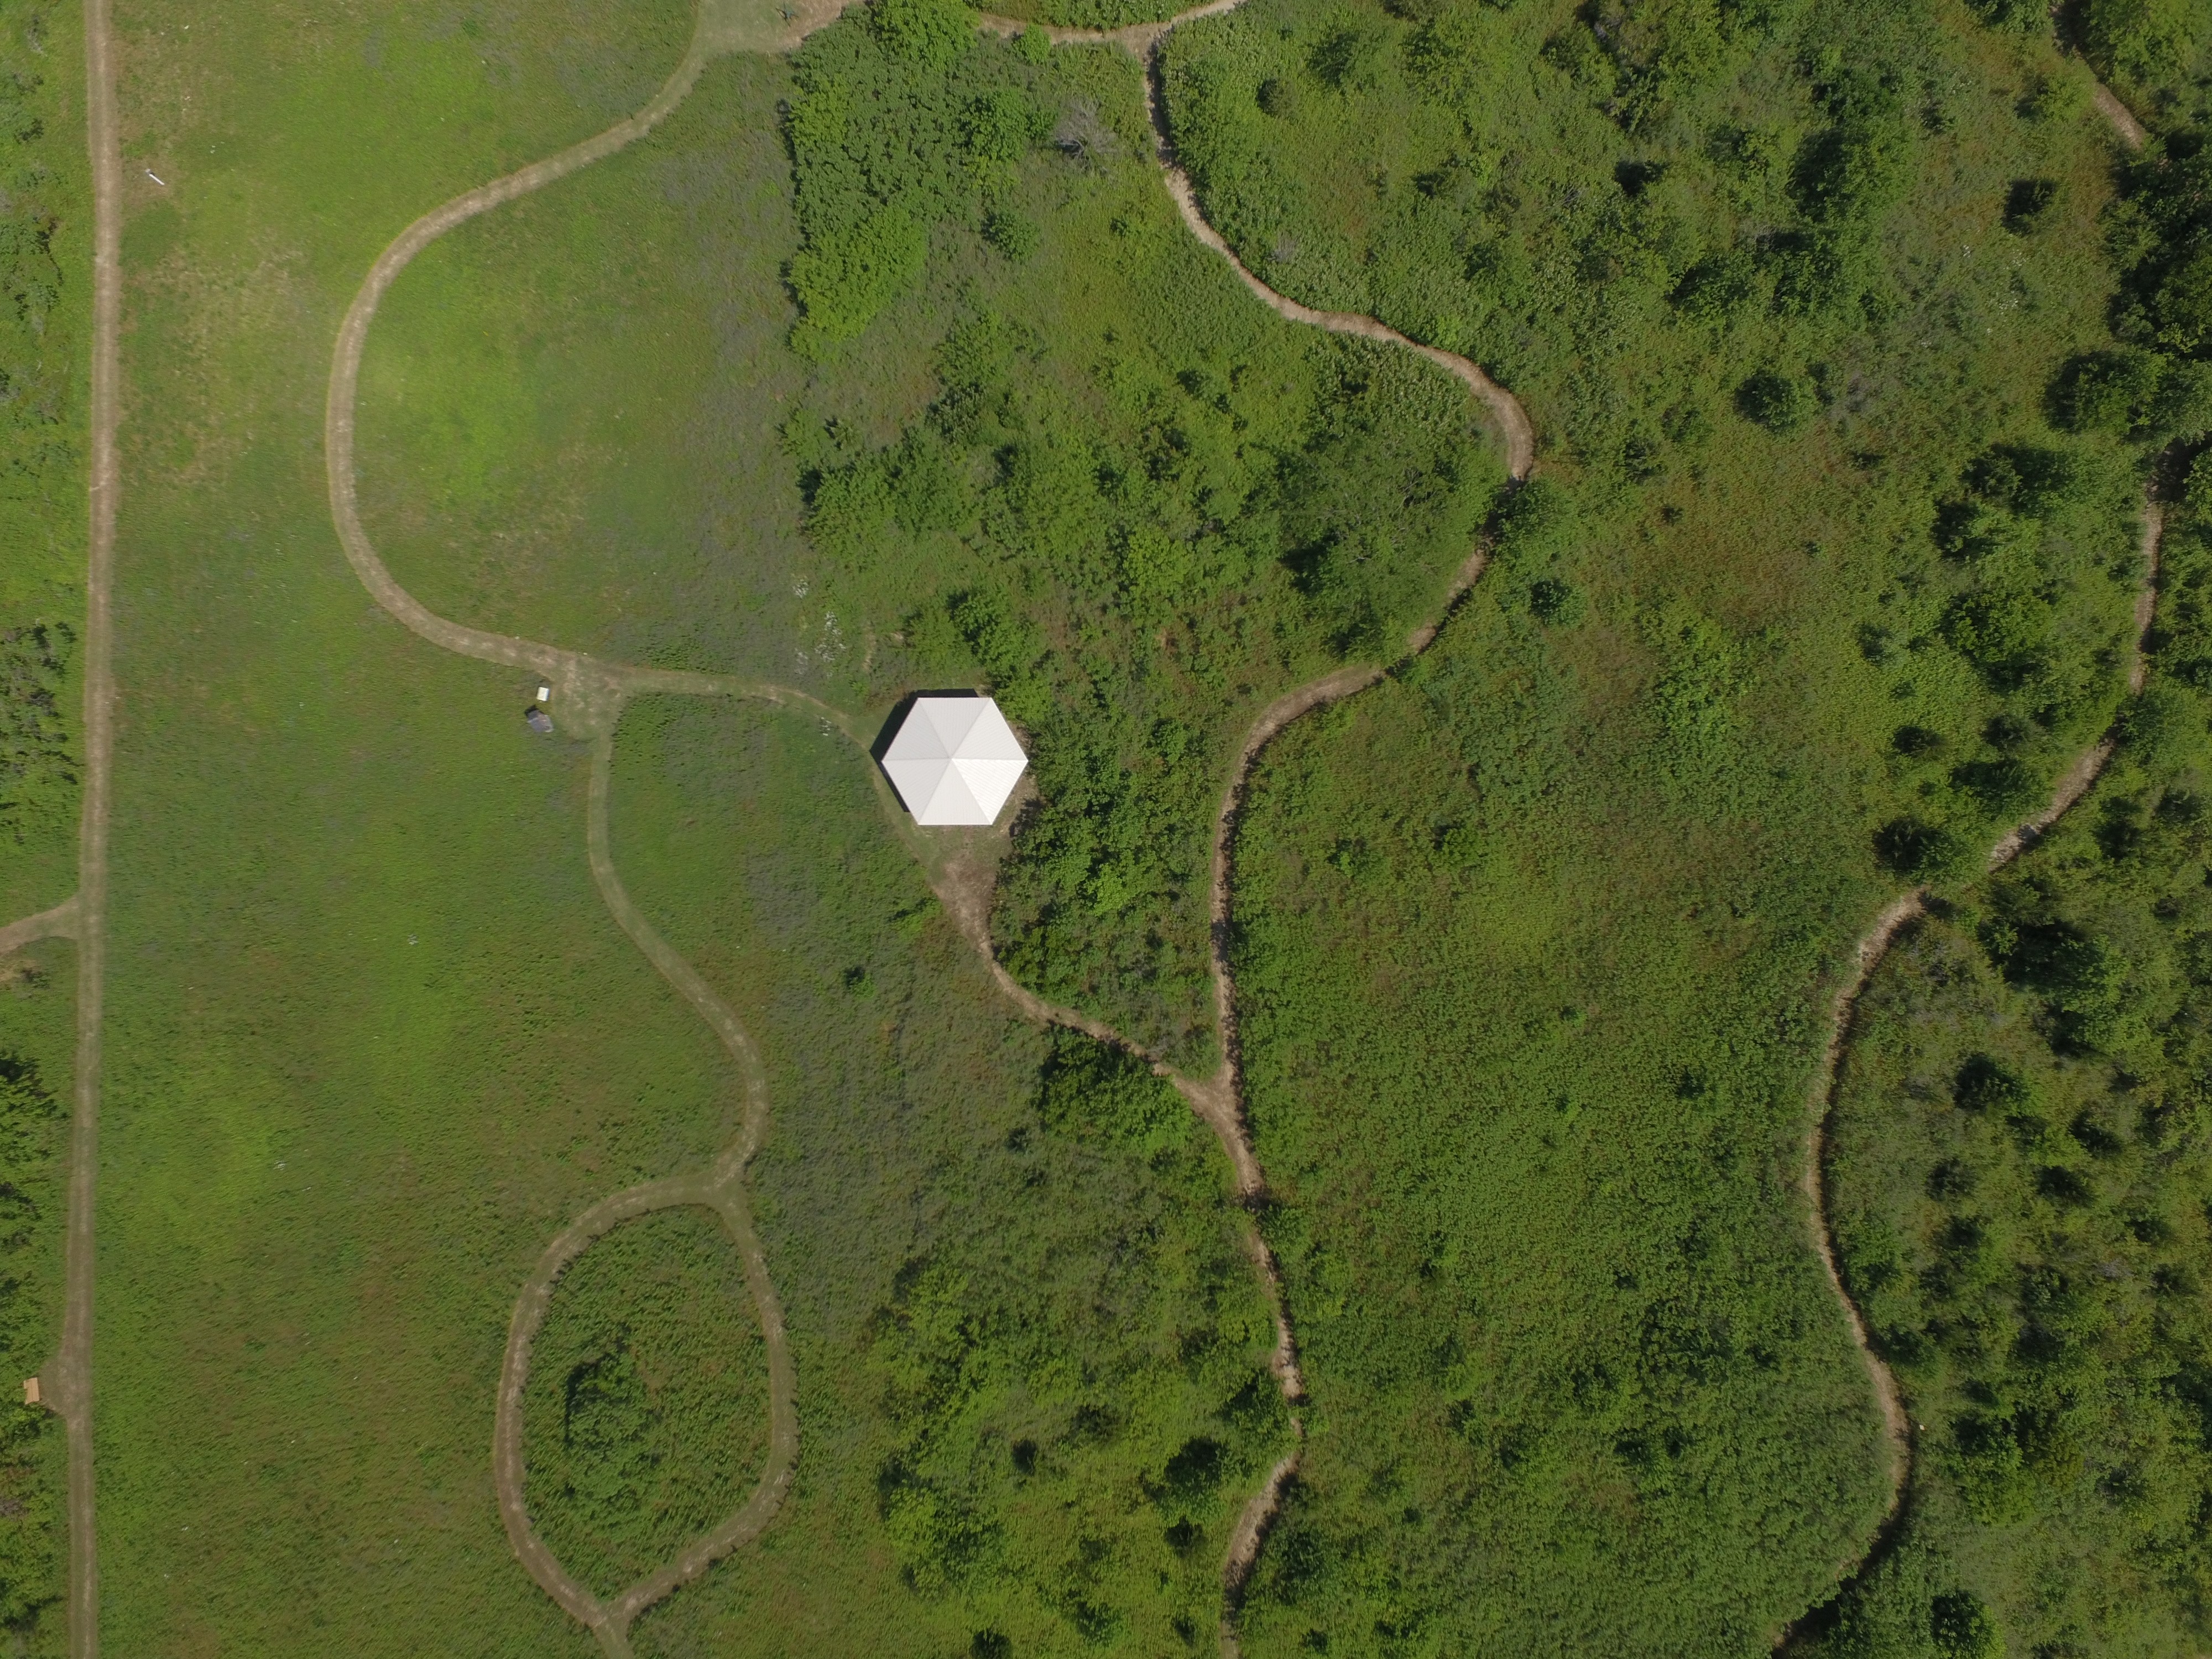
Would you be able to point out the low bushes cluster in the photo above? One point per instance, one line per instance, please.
(1136, 506)
(644, 1419)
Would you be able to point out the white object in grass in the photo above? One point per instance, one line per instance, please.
(955, 760)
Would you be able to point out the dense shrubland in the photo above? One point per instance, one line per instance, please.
(1137, 503)
(45, 296)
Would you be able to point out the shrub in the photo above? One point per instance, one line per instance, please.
(2136, 40)
(1781, 402)
(1921, 851)
(1555, 601)
(2015, 16)
(2160, 723)
(1999, 787)
(2106, 391)
(1089, 1090)
(1962, 1628)
(931, 32)
(841, 280)
(1012, 234)
(1985, 1083)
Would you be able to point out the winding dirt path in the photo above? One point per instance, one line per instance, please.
(1219, 1099)
(720, 1189)
(588, 695)
(2071, 787)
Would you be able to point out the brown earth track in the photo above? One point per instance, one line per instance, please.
(60, 922)
(589, 697)
(1872, 947)
(70, 1369)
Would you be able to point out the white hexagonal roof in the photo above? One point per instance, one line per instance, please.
(955, 760)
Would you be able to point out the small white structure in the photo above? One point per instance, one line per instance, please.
(955, 760)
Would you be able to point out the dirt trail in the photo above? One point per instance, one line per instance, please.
(2069, 790)
(588, 695)
(1219, 1100)
(2075, 783)
(60, 922)
(1143, 42)
(70, 1369)
(721, 1189)
(587, 699)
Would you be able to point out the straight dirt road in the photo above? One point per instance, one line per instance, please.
(71, 1371)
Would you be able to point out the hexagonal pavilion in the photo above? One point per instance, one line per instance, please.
(954, 760)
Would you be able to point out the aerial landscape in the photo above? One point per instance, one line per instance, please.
(1357, 826)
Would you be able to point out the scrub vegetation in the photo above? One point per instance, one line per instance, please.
(45, 282)
(1825, 577)
(1138, 504)
(2019, 1162)
(33, 1127)
(1031, 1352)
(1046, 441)
(2020, 1178)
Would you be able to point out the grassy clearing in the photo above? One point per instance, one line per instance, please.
(645, 1419)
(355, 1075)
(1532, 938)
(574, 402)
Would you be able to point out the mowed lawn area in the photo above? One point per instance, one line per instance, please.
(372, 1037)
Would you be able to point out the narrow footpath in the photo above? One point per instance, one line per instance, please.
(2072, 785)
